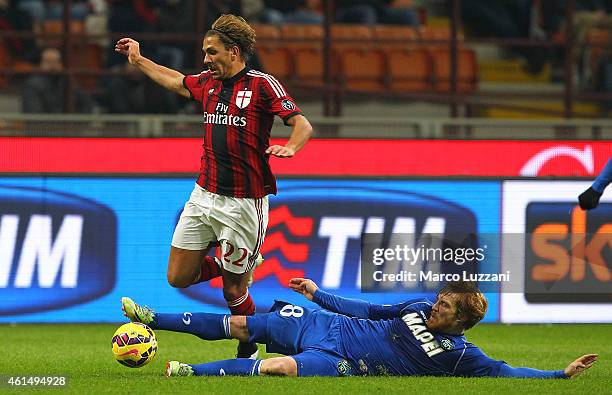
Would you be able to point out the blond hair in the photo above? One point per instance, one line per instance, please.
(233, 31)
(471, 303)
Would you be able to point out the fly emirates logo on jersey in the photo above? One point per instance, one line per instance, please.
(221, 117)
(419, 329)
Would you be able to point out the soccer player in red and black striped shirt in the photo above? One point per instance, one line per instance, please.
(229, 203)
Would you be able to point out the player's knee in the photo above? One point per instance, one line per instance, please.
(283, 366)
(177, 281)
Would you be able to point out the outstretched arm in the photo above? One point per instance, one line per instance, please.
(475, 363)
(337, 304)
(572, 370)
(168, 78)
(589, 199)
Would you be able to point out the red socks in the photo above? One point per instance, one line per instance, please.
(209, 269)
(244, 305)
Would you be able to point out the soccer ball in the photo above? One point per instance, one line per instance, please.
(134, 344)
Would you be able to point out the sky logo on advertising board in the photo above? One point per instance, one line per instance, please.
(568, 253)
(56, 250)
(316, 232)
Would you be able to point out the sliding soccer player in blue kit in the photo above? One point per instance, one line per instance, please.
(351, 337)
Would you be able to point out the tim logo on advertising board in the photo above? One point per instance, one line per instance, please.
(56, 250)
(568, 253)
(315, 232)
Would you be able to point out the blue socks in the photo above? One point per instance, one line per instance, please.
(229, 367)
(206, 326)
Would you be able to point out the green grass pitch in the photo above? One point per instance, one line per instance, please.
(82, 353)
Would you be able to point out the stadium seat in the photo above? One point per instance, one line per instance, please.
(53, 30)
(434, 37)
(276, 60)
(351, 32)
(5, 63)
(467, 69)
(302, 35)
(86, 57)
(351, 36)
(363, 69)
(394, 33)
(409, 70)
(266, 33)
(309, 65)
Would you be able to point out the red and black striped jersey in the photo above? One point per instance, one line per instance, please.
(238, 117)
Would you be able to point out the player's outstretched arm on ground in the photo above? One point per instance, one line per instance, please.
(300, 133)
(476, 363)
(580, 365)
(168, 78)
(337, 304)
(589, 199)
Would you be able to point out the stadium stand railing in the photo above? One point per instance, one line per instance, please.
(179, 126)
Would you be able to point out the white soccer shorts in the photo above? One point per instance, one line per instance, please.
(239, 224)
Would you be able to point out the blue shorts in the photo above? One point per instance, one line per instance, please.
(309, 336)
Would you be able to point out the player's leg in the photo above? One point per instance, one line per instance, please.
(241, 303)
(193, 237)
(241, 226)
(207, 326)
(279, 366)
(308, 363)
(185, 266)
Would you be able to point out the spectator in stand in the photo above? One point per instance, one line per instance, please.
(590, 14)
(42, 10)
(371, 12)
(505, 19)
(14, 19)
(134, 93)
(176, 16)
(134, 16)
(280, 12)
(44, 93)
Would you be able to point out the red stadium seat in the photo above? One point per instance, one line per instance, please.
(54, 28)
(302, 35)
(5, 63)
(363, 69)
(309, 65)
(410, 70)
(435, 37)
(86, 57)
(396, 34)
(467, 70)
(266, 33)
(277, 61)
(351, 36)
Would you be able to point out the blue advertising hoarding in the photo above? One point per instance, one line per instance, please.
(125, 225)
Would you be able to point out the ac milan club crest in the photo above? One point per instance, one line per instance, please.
(243, 98)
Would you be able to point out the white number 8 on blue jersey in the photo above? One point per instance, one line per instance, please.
(290, 310)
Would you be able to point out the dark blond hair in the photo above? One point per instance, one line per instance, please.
(234, 31)
(471, 303)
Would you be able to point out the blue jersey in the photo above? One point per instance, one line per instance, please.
(395, 340)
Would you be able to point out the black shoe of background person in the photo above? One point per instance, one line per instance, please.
(589, 199)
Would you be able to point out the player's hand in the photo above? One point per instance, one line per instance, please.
(129, 48)
(580, 365)
(589, 199)
(303, 286)
(280, 151)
